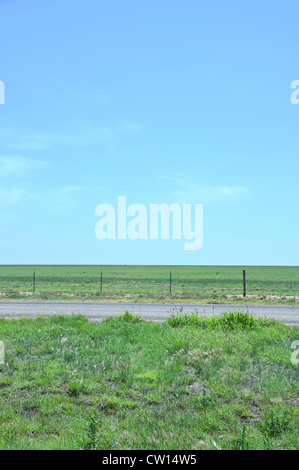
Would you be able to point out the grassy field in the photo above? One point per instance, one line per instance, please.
(189, 383)
(147, 283)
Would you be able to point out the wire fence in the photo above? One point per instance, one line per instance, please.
(145, 281)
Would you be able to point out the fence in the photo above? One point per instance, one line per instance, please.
(211, 282)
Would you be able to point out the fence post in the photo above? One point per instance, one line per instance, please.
(244, 283)
(101, 281)
(170, 283)
(33, 281)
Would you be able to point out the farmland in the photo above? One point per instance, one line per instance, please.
(151, 283)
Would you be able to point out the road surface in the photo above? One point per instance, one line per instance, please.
(149, 311)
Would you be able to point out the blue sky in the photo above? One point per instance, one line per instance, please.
(160, 101)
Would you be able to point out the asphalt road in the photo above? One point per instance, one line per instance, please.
(149, 311)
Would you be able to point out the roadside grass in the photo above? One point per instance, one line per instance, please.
(224, 382)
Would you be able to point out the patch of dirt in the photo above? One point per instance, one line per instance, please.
(198, 389)
(31, 412)
(137, 297)
(21, 294)
(263, 297)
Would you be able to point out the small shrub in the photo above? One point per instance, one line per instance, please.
(91, 443)
(239, 320)
(129, 318)
(242, 442)
(206, 401)
(273, 424)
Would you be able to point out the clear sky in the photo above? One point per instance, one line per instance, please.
(161, 101)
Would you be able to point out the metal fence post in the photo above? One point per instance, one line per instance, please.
(244, 283)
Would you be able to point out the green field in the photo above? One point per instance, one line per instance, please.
(189, 383)
(146, 283)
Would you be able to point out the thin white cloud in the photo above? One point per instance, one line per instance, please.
(82, 136)
(187, 189)
(24, 141)
(15, 166)
(10, 195)
(13, 175)
(71, 194)
(55, 198)
(15, 187)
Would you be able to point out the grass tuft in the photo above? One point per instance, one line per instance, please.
(230, 320)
